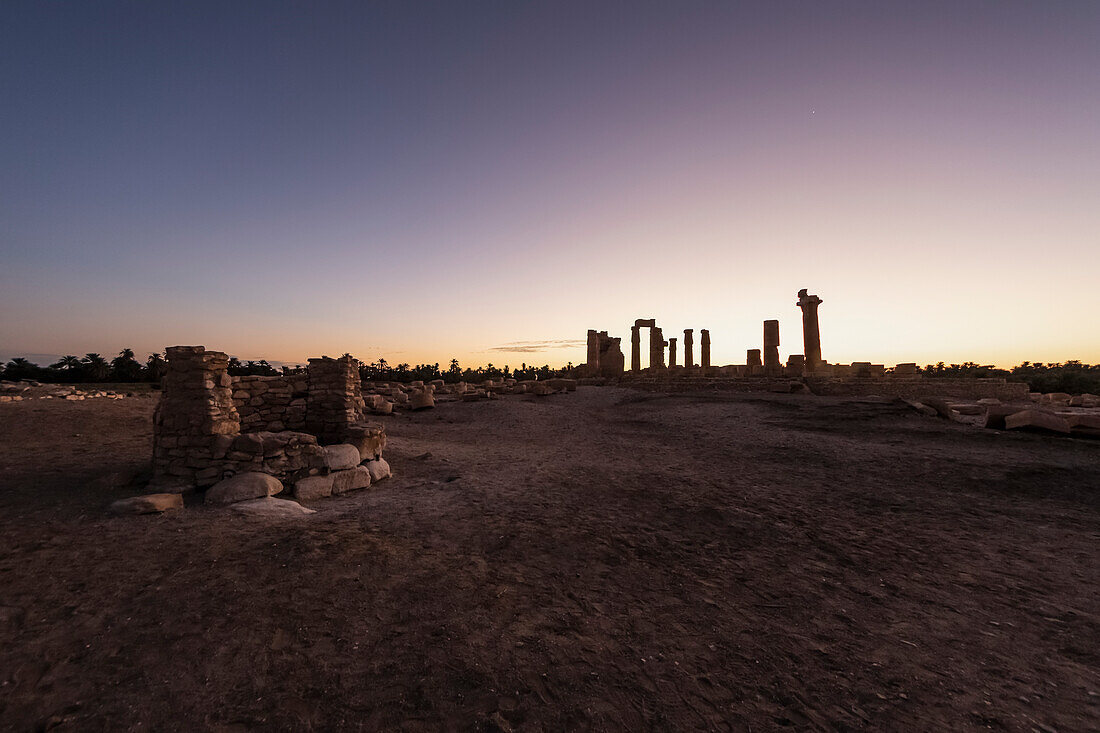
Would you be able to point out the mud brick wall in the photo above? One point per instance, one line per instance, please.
(335, 399)
(195, 419)
(271, 403)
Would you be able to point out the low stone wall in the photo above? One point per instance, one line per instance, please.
(271, 403)
(898, 387)
(886, 387)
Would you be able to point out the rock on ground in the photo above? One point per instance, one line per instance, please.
(341, 457)
(379, 469)
(269, 506)
(147, 504)
(242, 487)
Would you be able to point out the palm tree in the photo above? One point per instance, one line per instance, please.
(19, 368)
(125, 367)
(156, 367)
(67, 363)
(96, 367)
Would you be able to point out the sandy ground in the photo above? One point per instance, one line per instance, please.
(605, 560)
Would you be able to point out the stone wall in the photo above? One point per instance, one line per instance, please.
(195, 419)
(335, 399)
(197, 438)
(271, 403)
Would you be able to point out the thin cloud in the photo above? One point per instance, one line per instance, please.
(534, 347)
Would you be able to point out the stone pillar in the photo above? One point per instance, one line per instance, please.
(335, 399)
(811, 333)
(194, 421)
(704, 349)
(635, 349)
(656, 347)
(672, 352)
(689, 355)
(593, 362)
(771, 348)
(752, 357)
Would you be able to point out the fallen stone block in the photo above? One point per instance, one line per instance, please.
(1057, 398)
(921, 408)
(995, 415)
(313, 487)
(341, 457)
(1086, 426)
(272, 508)
(345, 481)
(968, 409)
(242, 487)
(989, 401)
(147, 504)
(1037, 420)
(941, 407)
(379, 469)
(422, 400)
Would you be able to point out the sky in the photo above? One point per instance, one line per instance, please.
(487, 181)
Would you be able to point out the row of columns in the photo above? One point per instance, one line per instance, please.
(657, 345)
(768, 358)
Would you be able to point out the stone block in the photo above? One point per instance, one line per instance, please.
(422, 400)
(355, 478)
(1037, 420)
(313, 487)
(243, 486)
(341, 457)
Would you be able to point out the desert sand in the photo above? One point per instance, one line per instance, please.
(604, 559)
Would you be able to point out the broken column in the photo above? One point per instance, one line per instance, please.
(752, 360)
(635, 348)
(193, 420)
(672, 352)
(611, 357)
(593, 362)
(335, 399)
(657, 345)
(811, 333)
(689, 356)
(704, 349)
(771, 348)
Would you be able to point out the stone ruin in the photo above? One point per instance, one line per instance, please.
(764, 370)
(308, 429)
(605, 356)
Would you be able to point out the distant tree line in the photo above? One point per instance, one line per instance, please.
(126, 368)
(383, 371)
(1071, 376)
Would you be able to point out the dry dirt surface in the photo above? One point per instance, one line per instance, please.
(600, 560)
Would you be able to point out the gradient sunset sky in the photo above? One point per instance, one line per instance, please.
(488, 180)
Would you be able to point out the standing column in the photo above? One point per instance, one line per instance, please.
(672, 352)
(811, 333)
(704, 349)
(771, 348)
(635, 349)
(689, 356)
